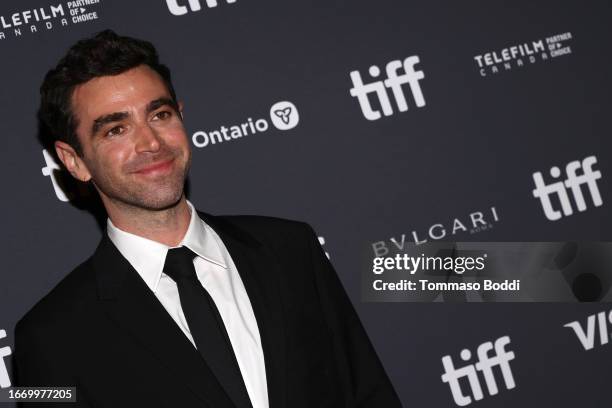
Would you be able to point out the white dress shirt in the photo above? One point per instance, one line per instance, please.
(218, 274)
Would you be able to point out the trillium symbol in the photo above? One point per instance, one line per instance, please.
(284, 114)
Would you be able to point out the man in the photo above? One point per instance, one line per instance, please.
(178, 308)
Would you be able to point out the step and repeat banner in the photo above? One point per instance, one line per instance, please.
(434, 129)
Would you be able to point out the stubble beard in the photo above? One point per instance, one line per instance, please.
(136, 193)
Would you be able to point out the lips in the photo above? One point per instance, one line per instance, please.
(156, 167)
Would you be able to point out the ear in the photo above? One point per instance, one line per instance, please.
(72, 161)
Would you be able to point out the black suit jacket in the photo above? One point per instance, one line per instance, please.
(102, 330)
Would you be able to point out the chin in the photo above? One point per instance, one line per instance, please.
(155, 196)
(158, 200)
(164, 202)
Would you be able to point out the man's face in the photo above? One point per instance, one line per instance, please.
(135, 148)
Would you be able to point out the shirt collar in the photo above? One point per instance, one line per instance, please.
(148, 256)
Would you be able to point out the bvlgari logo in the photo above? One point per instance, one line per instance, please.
(472, 223)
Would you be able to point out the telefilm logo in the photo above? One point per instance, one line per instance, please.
(596, 323)
(394, 81)
(485, 364)
(283, 115)
(178, 7)
(473, 223)
(578, 174)
(5, 380)
(47, 18)
(520, 55)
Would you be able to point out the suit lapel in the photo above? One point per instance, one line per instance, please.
(134, 308)
(260, 274)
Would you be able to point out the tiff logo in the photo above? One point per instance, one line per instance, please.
(50, 170)
(194, 5)
(394, 81)
(5, 351)
(573, 183)
(485, 365)
(587, 337)
(322, 242)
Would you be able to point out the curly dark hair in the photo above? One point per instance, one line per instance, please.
(106, 53)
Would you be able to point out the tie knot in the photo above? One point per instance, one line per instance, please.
(179, 264)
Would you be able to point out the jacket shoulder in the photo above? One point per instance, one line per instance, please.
(66, 299)
(271, 231)
(261, 223)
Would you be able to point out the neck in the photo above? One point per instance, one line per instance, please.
(167, 226)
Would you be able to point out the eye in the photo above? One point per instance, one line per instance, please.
(117, 130)
(161, 115)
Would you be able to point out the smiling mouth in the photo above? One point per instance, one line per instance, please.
(156, 168)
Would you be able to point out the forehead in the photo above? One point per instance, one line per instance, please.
(131, 89)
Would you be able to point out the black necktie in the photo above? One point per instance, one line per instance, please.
(206, 325)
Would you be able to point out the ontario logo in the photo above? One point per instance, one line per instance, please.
(520, 55)
(283, 115)
(46, 18)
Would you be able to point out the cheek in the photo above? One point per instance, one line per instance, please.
(177, 136)
(177, 130)
(112, 155)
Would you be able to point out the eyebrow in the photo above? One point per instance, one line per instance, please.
(99, 122)
(159, 102)
(104, 119)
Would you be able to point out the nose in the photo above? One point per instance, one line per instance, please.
(147, 139)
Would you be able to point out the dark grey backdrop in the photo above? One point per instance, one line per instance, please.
(474, 145)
